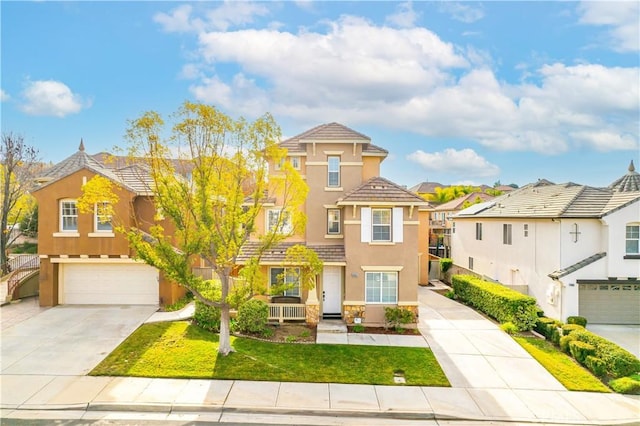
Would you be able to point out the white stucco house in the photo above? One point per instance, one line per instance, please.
(575, 247)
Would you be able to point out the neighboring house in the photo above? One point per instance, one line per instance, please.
(363, 227)
(576, 247)
(441, 221)
(82, 259)
(426, 189)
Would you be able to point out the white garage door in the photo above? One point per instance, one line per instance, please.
(108, 284)
(608, 303)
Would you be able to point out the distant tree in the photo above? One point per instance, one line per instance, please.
(493, 192)
(19, 167)
(514, 185)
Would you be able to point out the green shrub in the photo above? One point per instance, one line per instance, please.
(445, 264)
(396, 317)
(581, 350)
(291, 339)
(618, 362)
(450, 294)
(358, 328)
(253, 316)
(509, 328)
(595, 365)
(568, 328)
(544, 326)
(497, 301)
(205, 316)
(564, 343)
(626, 385)
(577, 320)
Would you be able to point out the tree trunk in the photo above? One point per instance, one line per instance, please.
(224, 347)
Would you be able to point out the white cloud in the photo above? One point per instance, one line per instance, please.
(405, 16)
(4, 96)
(50, 97)
(409, 78)
(465, 162)
(622, 18)
(462, 12)
(228, 14)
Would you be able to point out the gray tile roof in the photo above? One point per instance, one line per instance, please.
(458, 202)
(277, 254)
(576, 266)
(627, 183)
(136, 177)
(547, 200)
(426, 187)
(331, 132)
(379, 189)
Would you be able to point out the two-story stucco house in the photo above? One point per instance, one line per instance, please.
(574, 246)
(363, 227)
(82, 259)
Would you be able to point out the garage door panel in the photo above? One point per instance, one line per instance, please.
(609, 303)
(133, 284)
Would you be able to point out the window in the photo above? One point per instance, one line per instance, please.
(381, 224)
(295, 163)
(277, 224)
(381, 287)
(68, 216)
(287, 277)
(333, 221)
(633, 239)
(333, 171)
(471, 263)
(478, 231)
(103, 217)
(506, 233)
(453, 227)
(526, 230)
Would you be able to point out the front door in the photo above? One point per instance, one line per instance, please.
(332, 291)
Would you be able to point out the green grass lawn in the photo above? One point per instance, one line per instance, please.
(182, 350)
(561, 366)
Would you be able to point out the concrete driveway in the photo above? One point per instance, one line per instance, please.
(473, 352)
(67, 340)
(625, 336)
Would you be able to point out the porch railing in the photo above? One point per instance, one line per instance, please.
(282, 312)
(21, 266)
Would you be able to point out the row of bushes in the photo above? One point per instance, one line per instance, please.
(252, 317)
(497, 301)
(601, 356)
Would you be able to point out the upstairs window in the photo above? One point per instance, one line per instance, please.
(506, 234)
(333, 222)
(103, 217)
(279, 221)
(295, 163)
(478, 231)
(68, 216)
(632, 239)
(526, 230)
(381, 224)
(333, 176)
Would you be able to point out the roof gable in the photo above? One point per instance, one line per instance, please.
(379, 189)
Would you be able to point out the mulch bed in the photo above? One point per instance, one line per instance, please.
(382, 330)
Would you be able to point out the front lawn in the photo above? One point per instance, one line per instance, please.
(561, 366)
(182, 350)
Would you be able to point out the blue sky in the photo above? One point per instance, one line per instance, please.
(458, 92)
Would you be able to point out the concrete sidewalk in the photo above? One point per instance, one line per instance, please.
(84, 396)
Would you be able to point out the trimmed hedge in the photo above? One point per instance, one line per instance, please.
(581, 350)
(577, 320)
(626, 385)
(497, 301)
(205, 316)
(617, 361)
(253, 316)
(596, 365)
(568, 328)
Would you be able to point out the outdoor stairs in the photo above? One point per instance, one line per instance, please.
(331, 326)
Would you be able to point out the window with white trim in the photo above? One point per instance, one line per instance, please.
(333, 221)
(295, 163)
(507, 236)
(102, 217)
(333, 171)
(288, 277)
(381, 287)
(632, 237)
(478, 231)
(380, 224)
(68, 216)
(279, 221)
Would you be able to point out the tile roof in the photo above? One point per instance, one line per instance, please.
(576, 266)
(426, 187)
(547, 200)
(331, 132)
(136, 177)
(381, 190)
(277, 254)
(627, 183)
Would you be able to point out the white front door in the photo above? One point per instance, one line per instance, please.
(332, 290)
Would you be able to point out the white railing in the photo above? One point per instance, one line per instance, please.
(287, 312)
